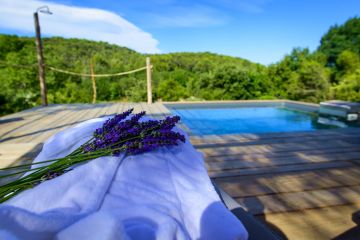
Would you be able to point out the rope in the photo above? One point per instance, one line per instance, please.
(74, 73)
(96, 75)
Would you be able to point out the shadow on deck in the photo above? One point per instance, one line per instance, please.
(304, 185)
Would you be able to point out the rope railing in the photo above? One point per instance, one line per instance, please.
(93, 76)
(73, 73)
(148, 69)
(96, 75)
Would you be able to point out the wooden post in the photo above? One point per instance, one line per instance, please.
(93, 79)
(40, 58)
(148, 80)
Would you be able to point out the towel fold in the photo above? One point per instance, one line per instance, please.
(163, 194)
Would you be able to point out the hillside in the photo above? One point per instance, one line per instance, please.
(172, 72)
(333, 71)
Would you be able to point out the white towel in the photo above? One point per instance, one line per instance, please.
(163, 194)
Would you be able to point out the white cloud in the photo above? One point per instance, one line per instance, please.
(76, 22)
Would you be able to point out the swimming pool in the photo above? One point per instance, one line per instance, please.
(234, 119)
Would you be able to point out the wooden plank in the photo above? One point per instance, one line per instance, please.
(280, 154)
(120, 108)
(26, 134)
(11, 124)
(319, 139)
(77, 115)
(333, 222)
(137, 108)
(52, 125)
(295, 201)
(130, 105)
(146, 108)
(112, 110)
(152, 110)
(27, 122)
(273, 148)
(289, 182)
(54, 113)
(264, 162)
(26, 112)
(162, 109)
(159, 111)
(342, 141)
(273, 141)
(95, 111)
(245, 137)
(184, 128)
(282, 169)
(156, 110)
(13, 154)
(140, 105)
(125, 107)
(103, 108)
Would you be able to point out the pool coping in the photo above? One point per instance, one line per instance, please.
(296, 105)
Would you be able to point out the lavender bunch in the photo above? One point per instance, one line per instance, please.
(121, 134)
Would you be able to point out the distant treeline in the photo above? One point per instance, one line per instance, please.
(330, 72)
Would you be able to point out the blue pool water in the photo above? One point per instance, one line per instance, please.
(205, 121)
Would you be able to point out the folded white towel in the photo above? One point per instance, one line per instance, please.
(163, 194)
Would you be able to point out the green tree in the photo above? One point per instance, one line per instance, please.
(171, 90)
(347, 63)
(313, 82)
(349, 87)
(340, 38)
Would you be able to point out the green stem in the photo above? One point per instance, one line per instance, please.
(11, 189)
(32, 169)
(41, 170)
(78, 150)
(28, 164)
(5, 189)
(8, 196)
(24, 171)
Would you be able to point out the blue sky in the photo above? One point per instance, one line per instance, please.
(259, 30)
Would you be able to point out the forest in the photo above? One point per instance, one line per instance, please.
(332, 71)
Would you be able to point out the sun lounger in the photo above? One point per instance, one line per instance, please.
(348, 111)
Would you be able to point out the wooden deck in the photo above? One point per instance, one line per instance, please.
(305, 185)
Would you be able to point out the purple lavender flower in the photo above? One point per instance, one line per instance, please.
(169, 122)
(133, 136)
(111, 122)
(153, 141)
